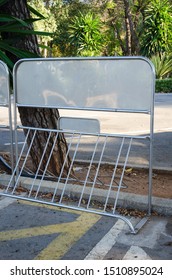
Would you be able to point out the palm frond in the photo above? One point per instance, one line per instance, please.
(163, 65)
(21, 27)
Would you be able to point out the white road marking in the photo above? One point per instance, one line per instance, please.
(135, 132)
(8, 144)
(136, 253)
(6, 202)
(106, 243)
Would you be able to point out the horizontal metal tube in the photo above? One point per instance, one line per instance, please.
(86, 133)
(114, 110)
(118, 216)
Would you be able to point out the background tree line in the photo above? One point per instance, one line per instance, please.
(102, 28)
(108, 28)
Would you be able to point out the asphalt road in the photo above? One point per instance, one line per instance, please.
(134, 124)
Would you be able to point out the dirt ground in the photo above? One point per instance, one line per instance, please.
(134, 181)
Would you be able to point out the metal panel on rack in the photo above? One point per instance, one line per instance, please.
(92, 83)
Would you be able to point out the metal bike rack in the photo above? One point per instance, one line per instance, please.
(104, 84)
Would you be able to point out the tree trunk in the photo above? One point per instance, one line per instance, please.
(132, 42)
(36, 117)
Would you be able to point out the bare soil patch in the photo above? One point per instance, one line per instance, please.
(135, 180)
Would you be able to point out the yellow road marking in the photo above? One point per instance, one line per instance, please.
(70, 232)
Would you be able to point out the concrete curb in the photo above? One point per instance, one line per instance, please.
(126, 200)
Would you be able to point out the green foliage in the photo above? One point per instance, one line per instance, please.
(65, 12)
(20, 27)
(85, 35)
(163, 65)
(94, 27)
(164, 85)
(46, 24)
(157, 36)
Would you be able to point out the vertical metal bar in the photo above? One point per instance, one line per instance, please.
(151, 149)
(122, 175)
(38, 169)
(88, 172)
(62, 169)
(45, 169)
(15, 122)
(70, 168)
(18, 161)
(114, 173)
(150, 176)
(10, 127)
(97, 171)
(25, 159)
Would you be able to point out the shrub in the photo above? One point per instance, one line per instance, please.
(163, 65)
(163, 85)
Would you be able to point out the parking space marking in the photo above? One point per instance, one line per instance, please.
(136, 253)
(107, 242)
(5, 201)
(30, 232)
(70, 233)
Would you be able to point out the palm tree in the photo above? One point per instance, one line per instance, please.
(163, 65)
(85, 35)
(157, 36)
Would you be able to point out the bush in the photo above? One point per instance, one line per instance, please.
(163, 85)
